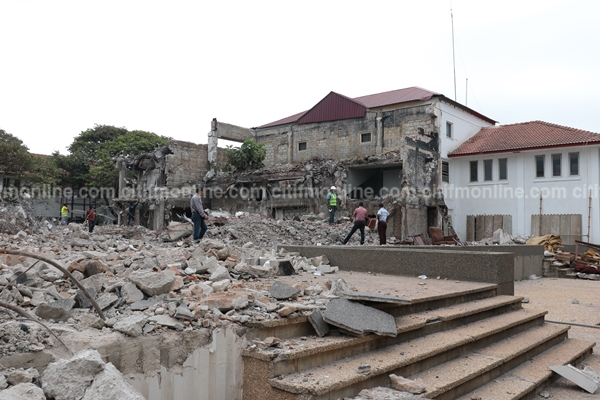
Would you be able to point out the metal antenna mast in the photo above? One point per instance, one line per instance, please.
(453, 57)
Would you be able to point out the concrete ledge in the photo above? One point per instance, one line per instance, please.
(528, 258)
(473, 266)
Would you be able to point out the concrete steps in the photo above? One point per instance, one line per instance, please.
(456, 347)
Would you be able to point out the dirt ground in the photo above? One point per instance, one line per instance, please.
(568, 300)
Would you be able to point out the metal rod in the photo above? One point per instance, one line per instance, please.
(540, 222)
(453, 58)
(572, 323)
(589, 213)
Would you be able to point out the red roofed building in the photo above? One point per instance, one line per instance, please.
(523, 171)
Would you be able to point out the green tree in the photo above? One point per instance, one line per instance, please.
(249, 155)
(15, 161)
(93, 154)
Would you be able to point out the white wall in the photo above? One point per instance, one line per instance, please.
(519, 194)
(464, 126)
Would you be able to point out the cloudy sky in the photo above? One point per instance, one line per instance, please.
(169, 67)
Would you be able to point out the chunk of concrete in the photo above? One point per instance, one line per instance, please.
(23, 391)
(183, 312)
(222, 285)
(141, 305)
(153, 283)
(225, 301)
(577, 377)
(407, 385)
(373, 297)
(220, 274)
(131, 293)
(95, 281)
(359, 319)
(316, 320)
(106, 300)
(165, 320)
(59, 310)
(286, 268)
(81, 299)
(69, 379)
(109, 384)
(131, 325)
(282, 291)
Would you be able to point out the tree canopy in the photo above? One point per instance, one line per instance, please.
(91, 161)
(249, 155)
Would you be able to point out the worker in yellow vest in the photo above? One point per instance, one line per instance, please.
(64, 215)
(332, 200)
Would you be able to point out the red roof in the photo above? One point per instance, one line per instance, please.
(332, 107)
(524, 136)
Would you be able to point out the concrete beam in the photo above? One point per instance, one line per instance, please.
(232, 132)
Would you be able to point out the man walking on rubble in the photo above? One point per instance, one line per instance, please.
(64, 215)
(131, 213)
(199, 216)
(360, 216)
(332, 202)
(90, 216)
(382, 216)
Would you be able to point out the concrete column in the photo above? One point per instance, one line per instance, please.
(122, 174)
(290, 146)
(379, 132)
(212, 142)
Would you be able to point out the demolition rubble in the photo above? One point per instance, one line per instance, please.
(140, 283)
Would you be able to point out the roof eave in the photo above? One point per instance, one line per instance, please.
(522, 149)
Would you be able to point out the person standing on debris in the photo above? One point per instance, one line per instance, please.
(199, 216)
(333, 202)
(360, 216)
(382, 216)
(131, 212)
(64, 215)
(90, 216)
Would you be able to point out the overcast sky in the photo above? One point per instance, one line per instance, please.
(169, 67)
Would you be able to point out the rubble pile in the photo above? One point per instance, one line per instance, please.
(499, 238)
(145, 285)
(14, 218)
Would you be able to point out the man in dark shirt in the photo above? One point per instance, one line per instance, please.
(360, 216)
(199, 216)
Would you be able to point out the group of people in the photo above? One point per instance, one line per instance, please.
(360, 218)
(90, 217)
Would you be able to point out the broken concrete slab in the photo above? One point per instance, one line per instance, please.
(153, 283)
(286, 268)
(576, 376)
(373, 297)
(165, 320)
(131, 293)
(225, 301)
(359, 319)
(81, 300)
(109, 384)
(282, 291)
(183, 312)
(220, 274)
(141, 305)
(23, 391)
(58, 310)
(69, 379)
(106, 300)
(131, 325)
(407, 385)
(317, 321)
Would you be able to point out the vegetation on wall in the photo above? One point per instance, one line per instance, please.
(250, 155)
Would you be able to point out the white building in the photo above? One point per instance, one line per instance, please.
(505, 170)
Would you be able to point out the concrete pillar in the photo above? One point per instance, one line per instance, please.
(212, 142)
(290, 146)
(122, 167)
(379, 133)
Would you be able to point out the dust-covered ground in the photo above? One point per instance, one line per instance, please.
(568, 300)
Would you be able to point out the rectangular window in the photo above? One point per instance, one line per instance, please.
(365, 137)
(301, 146)
(556, 164)
(573, 163)
(503, 175)
(539, 166)
(473, 171)
(445, 172)
(487, 170)
(448, 130)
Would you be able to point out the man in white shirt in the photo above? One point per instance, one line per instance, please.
(382, 216)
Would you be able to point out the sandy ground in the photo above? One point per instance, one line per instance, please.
(568, 300)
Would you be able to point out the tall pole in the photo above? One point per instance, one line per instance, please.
(453, 57)
(466, 90)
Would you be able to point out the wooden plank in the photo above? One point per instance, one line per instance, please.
(488, 226)
(535, 223)
(497, 222)
(565, 229)
(545, 225)
(470, 228)
(479, 227)
(576, 226)
(507, 224)
(555, 224)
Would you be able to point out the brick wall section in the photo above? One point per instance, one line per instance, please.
(342, 139)
(189, 163)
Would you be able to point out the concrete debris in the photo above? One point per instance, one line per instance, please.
(499, 237)
(359, 319)
(384, 393)
(317, 321)
(373, 297)
(407, 385)
(282, 291)
(23, 391)
(584, 380)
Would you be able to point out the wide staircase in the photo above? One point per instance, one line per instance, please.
(462, 345)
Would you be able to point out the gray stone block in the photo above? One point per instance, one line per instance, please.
(58, 310)
(317, 321)
(82, 301)
(282, 291)
(359, 319)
